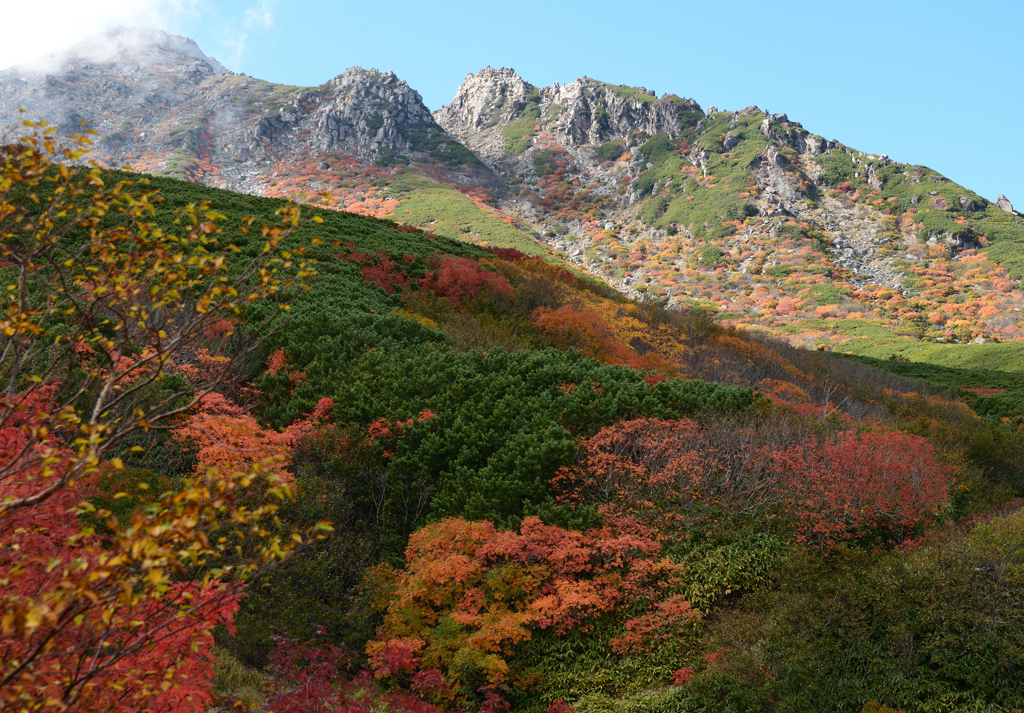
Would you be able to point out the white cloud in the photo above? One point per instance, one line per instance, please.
(36, 29)
(261, 13)
(259, 17)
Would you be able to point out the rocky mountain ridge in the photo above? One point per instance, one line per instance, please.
(741, 211)
(585, 112)
(160, 105)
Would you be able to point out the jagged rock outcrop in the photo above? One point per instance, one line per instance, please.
(778, 127)
(776, 181)
(586, 112)
(1004, 204)
(366, 111)
(489, 97)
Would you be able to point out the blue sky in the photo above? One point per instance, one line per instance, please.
(937, 83)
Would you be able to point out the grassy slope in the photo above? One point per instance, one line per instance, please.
(336, 224)
(879, 342)
(444, 211)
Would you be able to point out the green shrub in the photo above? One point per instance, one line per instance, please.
(827, 295)
(610, 150)
(931, 629)
(711, 255)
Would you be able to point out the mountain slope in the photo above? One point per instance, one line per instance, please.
(546, 496)
(159, 105)
(743, 213)
(746, 213)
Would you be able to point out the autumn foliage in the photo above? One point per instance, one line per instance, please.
(230, 439)
(318, 677)
(593, 335)
(844, 487)
(103, 310)
(470, 593)
(459, 278)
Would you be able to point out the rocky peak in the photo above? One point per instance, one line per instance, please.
(589, 111)
(368, 111)
(121, 75)
(490, 96)
(779, 128)
(1004, 204)
(497, 113)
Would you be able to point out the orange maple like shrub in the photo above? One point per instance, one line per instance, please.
(470, 593)
(592, 334)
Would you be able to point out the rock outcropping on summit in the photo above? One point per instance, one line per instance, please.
(584, 112)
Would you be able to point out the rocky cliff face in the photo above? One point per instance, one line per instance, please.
(495, 110)
(366, 111)
(160, 105)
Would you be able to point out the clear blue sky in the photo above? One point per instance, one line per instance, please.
(937, 83)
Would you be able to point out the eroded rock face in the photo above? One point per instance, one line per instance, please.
(366, 110)
(585, 112)
(489, 97)
(775, 177)
(1004, 204)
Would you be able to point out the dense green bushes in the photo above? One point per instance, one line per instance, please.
(934, 629)
(610, 150)
(508, 419)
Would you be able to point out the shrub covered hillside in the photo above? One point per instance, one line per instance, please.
(542, 496)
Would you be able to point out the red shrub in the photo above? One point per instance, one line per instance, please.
(384, 275)
(459, 278)
(850, 486)
(309, 677)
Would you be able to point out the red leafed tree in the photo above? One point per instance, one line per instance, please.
(470, 593)
(102, 306)
(309, 677)
(385, 275)
(460, 278)
(832, 489)
(231, 440)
